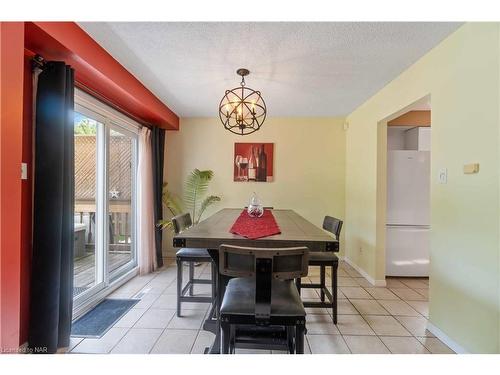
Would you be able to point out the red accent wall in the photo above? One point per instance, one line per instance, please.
(95, 71)
(26, 197)
(11, 144)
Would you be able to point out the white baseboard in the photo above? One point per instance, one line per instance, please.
(363, 273)
(457, 348)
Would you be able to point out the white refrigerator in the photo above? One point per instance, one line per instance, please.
(408, 213)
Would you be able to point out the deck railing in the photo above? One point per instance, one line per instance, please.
(119, 228)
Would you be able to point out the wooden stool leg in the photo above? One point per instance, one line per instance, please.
(334, 292)
(191, 277)
(179, 286)
(322, 282)
(299, 338)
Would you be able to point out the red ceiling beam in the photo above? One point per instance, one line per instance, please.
(98, 72)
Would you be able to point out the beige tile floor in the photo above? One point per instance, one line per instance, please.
(371, 319)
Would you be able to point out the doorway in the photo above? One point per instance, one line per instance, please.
(403, 193)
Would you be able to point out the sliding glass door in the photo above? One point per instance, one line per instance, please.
(121, 202)
(88, 250)
(105, 212)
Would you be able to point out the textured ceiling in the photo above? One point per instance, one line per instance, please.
(302, 69)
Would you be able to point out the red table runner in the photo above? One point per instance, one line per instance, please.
(255, 227)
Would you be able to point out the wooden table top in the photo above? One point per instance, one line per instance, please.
(295, 231)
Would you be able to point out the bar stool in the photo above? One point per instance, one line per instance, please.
(191, 256)
(325, 259)
(261, 308)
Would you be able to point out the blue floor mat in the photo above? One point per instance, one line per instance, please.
(101, 318)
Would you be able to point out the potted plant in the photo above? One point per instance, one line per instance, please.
(194, 200)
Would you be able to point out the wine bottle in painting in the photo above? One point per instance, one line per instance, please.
(257, 162)
(258, 176)
(259, 169)
(251, 165)
(262, 164)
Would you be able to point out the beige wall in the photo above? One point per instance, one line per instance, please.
(462, 77)
(309, 163)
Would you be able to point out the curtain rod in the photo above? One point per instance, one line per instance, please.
(39, 62)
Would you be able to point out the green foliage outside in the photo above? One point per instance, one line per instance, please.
(85, 127)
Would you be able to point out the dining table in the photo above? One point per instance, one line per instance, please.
(215, 230)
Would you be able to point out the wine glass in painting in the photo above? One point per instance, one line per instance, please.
(237, 161)
(244, 166)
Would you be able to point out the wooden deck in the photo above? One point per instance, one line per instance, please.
(84, 269)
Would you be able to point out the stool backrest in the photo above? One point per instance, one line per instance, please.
(333, 225)
(181, 222)
(264, 264)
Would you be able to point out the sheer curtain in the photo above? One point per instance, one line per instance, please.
(145, 205)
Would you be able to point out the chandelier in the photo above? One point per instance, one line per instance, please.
(242, 110)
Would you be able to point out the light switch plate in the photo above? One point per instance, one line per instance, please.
(24, 171)
(443, 176)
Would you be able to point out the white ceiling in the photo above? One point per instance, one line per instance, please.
(302, 69)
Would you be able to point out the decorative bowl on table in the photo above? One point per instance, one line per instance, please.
(255, 208)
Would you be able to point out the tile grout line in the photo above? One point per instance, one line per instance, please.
(393, 316)
(133, 325)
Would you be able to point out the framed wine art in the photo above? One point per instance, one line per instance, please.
(253, 162)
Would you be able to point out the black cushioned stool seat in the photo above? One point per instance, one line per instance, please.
(240, 298)
(321, 256)
(200, 254)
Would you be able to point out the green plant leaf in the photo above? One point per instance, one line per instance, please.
(195, 187)
(171, 201)
(165, 224)
(208, 201)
